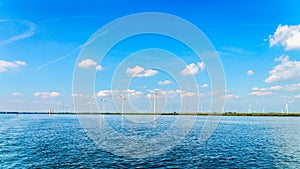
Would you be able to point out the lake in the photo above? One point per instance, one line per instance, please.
(62, 141)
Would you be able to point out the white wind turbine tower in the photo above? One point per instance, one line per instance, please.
(250, 108)
(154, 99)
(103, 104)
(287, 107)
(123, 99)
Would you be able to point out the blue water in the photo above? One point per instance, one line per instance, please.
(59, 141)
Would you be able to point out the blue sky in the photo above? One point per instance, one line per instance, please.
(258, 43)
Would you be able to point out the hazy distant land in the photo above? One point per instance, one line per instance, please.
(166, 113)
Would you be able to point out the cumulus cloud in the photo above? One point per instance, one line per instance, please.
(286, 36)
(112, 93)
(250, 73)
(139, 71)
(88, 64)
(5, 65)
(193, 68)
(190, 69)
(17, 94)
(204, 86)
(166, 82)
(287, 70)
(45, 95)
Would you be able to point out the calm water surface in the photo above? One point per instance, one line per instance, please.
(58, 141)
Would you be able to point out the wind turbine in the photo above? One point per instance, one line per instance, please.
(123, 99)
(154, 99)
(286, 107)
(79, 105)
(103, 104)
(201, 108)
(250, 108)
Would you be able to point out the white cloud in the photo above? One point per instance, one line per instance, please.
(231, 96)
(99, 67)
(282, 58)
(201, 65)
(166, 93)
(77, 95)
(269, 91)
(20, 63)
(276, 88)
(88, 64)
(250, 73)
(166, 82)
(188, 94)
(104, 93)
(135, 70)
(142, 87)
(17, 94)
(260, 89)
(297, 97)
(289, 87)
(139, 71)
(132, 93)
(54, 94)
(260, 92)
(112, 93)
(174, 93)
(204, 86)
(45, 95)
(190, 69)
(285, 71)
(5, 65)
(193, 68)
(286, 36)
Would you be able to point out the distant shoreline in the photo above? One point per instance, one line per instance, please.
(186, 113)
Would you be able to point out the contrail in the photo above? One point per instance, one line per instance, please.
(25, 34)
(58, 59)
(70, 53)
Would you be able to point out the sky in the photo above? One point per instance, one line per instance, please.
(258, 44)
